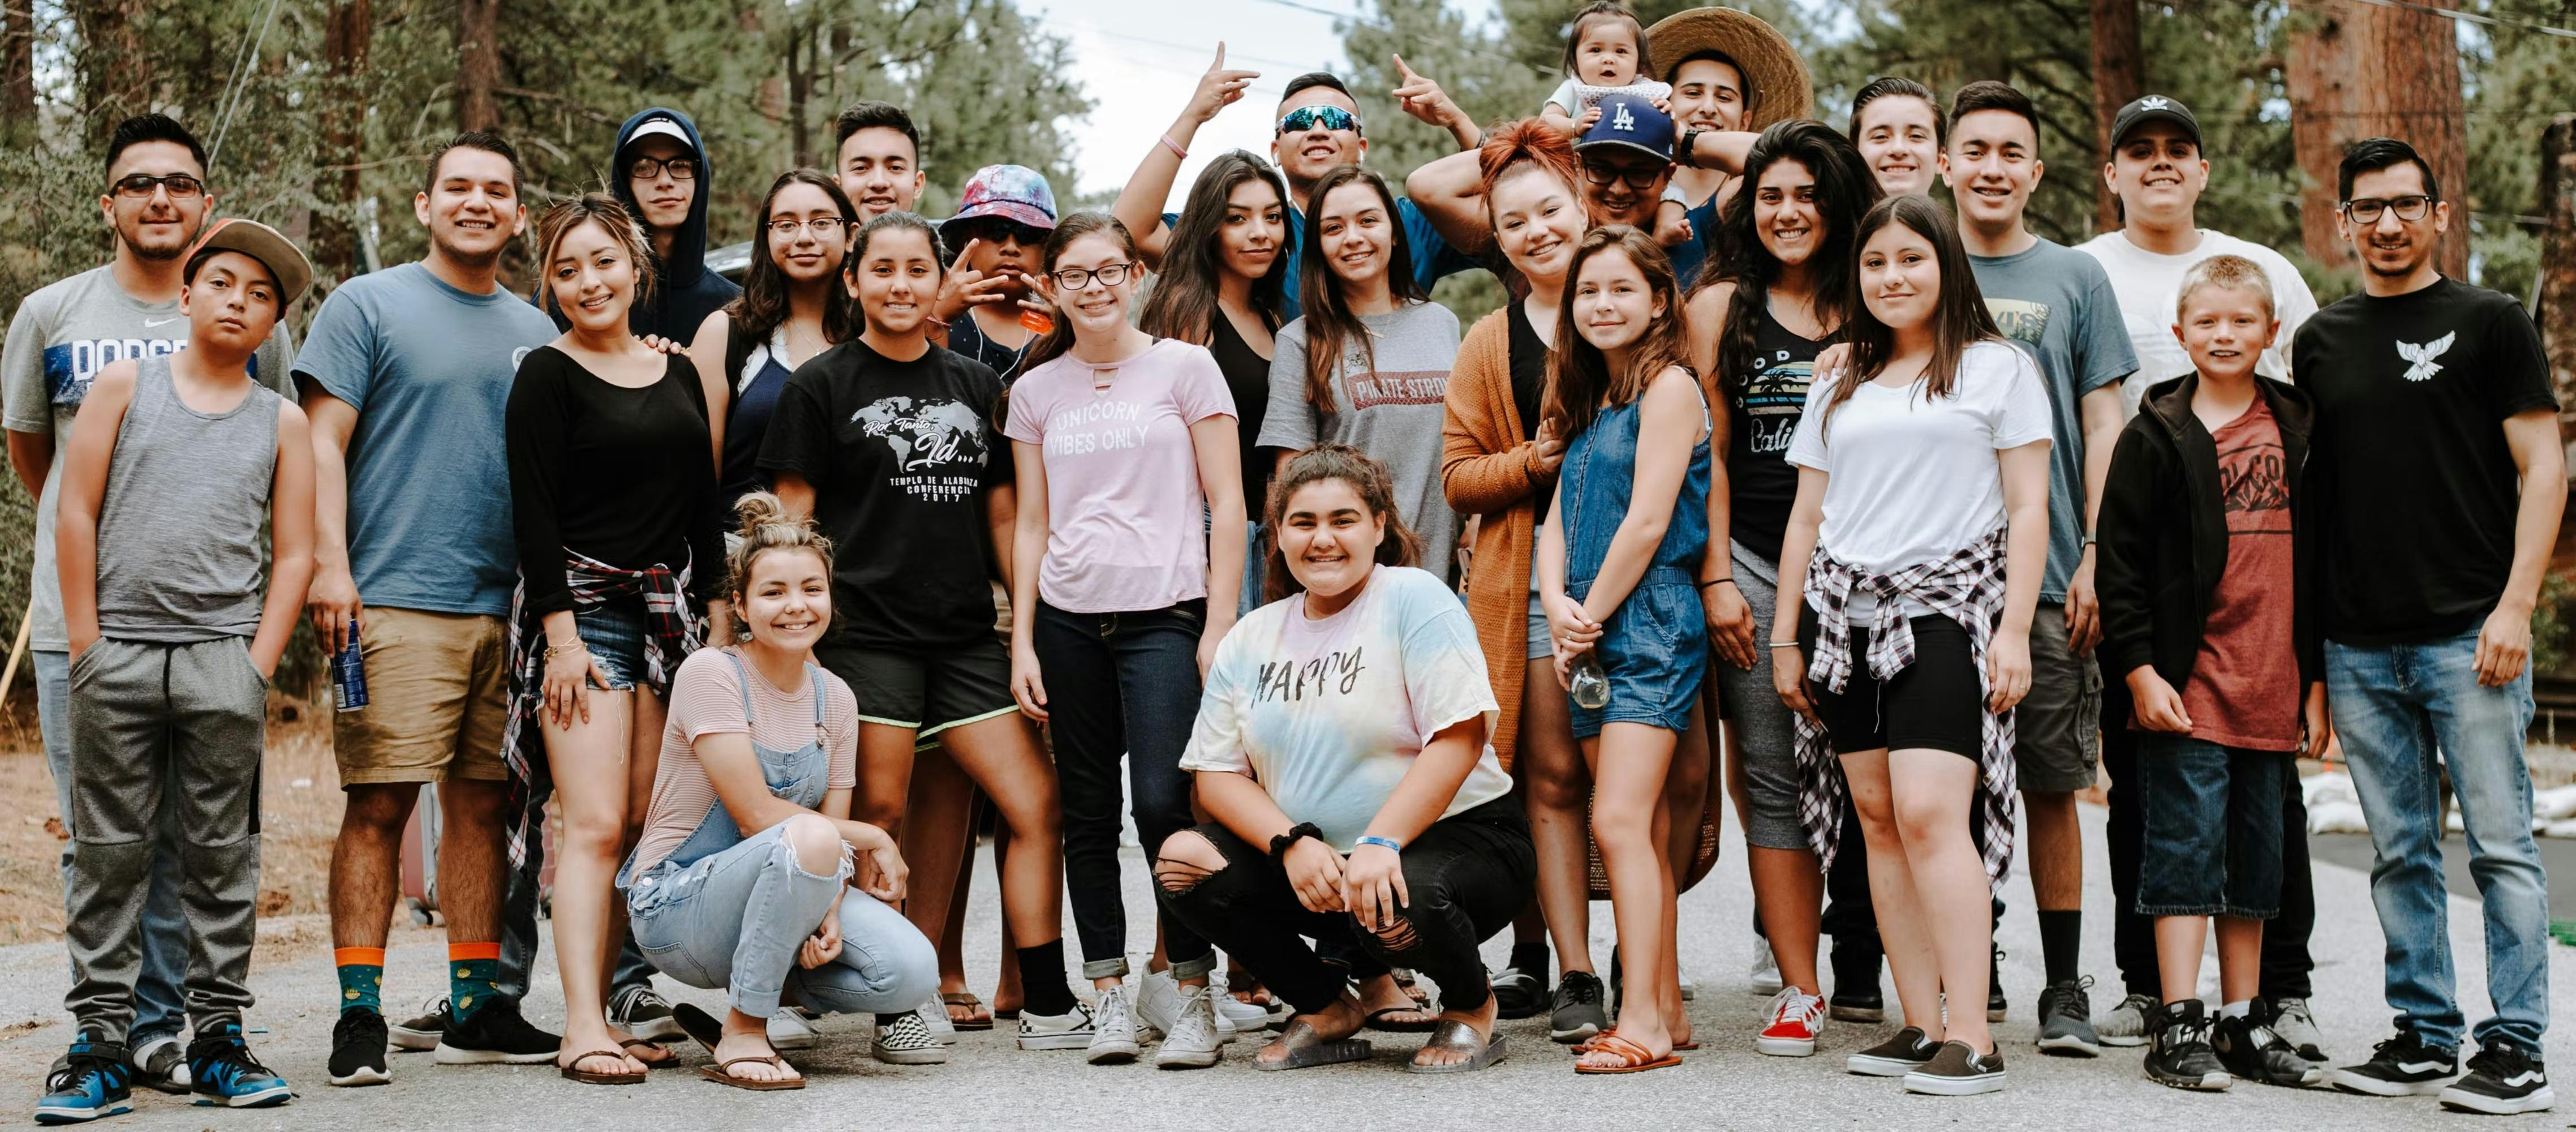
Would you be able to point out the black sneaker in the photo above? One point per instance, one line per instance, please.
(358, 1049)
(161, 1063)
(421, 1033)
(496, 1035)
(1957, 1071)
(221, 1071)
(1996, 1004)
(1855, 1000)
(2253, 1051)
(1895, 1057)
(2066, 1020)
(643, 1013)
(1519, 993)
(2402, 1066)
(2180, 1057)
(2502, 1080)
(1577, 1013)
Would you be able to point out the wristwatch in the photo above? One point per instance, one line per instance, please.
(1683, 153)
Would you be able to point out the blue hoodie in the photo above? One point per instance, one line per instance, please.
(685, 292)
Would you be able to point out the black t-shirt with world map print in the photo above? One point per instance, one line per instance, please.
(899, 454)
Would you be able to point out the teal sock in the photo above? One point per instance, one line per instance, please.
(362, 978)
(471, 970)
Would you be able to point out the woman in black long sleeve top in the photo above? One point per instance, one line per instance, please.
(612, 479)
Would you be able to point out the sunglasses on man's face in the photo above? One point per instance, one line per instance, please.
(993, 229)
(1304, 118)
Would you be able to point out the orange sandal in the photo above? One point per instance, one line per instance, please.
(1633, 1058)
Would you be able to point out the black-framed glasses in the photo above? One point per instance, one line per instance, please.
(650, 168)
(823, 227)
(2367, 210)
(180, 186)
(995, 228)
(1639, 178)
(1304, 118)
(1077, 278)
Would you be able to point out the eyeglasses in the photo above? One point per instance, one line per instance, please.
(650, 168)
(180, 185)
(994, 229)
(823, 227)
(1076, 278)
(1639, 178)
(2366, 211)
(1304, 118)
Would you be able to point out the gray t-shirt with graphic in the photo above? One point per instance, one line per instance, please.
(58, 341)
(2057, 304)
(1392, 411)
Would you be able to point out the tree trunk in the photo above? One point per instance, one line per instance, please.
(346, 33)
(478, 64)
(800, 90)
(2558, 256)
(18, 69)
(111, 60)
(2119, 77)
(2362, 71)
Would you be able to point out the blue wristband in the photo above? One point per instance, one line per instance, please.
(1381, 842)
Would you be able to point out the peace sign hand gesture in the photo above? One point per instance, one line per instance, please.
(1217, 89)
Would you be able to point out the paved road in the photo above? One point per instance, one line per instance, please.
(2557, 855)
(991, 1084)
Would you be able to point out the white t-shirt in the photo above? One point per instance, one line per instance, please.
(2150, 283)
(1329, 713)
(1914, 478)
(1574, 98)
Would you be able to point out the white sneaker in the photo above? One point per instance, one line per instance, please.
(934, 1018)
(1765, 971)
(1192, 1041)
(1056, 1031)
(906, 1041)
(1790, 1026)
(1113, 1027)
(1690, 990)
(1234, 1012)
(788, 1030)
(1159, 999)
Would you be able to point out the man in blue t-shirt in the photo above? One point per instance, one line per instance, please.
(1319, 127)
(406, 376)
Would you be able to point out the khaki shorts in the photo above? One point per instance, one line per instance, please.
(437, 697)
(2057, 729)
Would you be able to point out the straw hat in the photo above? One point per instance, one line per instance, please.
(1781, 89)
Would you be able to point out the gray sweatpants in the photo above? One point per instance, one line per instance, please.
(190, 719)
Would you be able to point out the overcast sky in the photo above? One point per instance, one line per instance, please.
(1138, 59)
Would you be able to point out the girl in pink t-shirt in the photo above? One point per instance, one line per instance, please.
(1127, 458)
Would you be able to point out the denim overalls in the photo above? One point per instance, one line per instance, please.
(1655, 647)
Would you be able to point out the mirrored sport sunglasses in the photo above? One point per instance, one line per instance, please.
(1304, 118)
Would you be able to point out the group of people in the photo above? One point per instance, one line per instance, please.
(1777, 485)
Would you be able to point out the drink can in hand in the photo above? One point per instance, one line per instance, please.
(349, 675)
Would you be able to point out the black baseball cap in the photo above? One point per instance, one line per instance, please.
(2154, 108)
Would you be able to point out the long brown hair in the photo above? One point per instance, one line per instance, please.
(1376, 490)
(1844, 188)
(1959, 316)
(1579, 376)
(1059, 337)
(1183, 302)
(1330, 324)
(762, 306)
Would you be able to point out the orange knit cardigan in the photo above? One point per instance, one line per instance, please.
(1488, 471)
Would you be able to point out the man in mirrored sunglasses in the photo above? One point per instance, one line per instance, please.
(659, 172)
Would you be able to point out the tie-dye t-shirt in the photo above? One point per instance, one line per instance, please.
(1328, 713)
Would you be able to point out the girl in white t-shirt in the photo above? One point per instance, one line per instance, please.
(1917, 541)
(1340, 750)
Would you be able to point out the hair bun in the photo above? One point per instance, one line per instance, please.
(758, 509)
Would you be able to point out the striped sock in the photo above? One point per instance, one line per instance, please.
(471, 968)
(362, 977)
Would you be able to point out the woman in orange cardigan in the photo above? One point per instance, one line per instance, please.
(1496, 464)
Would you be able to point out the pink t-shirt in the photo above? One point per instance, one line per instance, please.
(1126, 522)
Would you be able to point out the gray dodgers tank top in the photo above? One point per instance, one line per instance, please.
(179, 549)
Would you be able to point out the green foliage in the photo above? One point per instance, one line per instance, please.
(2553, 623)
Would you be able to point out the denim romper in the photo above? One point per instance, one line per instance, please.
(802, 776)
(1655, 647)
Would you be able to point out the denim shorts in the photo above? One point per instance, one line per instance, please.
(2209, 805)
(614, 634)
(1655, 650)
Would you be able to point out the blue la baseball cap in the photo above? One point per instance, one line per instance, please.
(1630, 122)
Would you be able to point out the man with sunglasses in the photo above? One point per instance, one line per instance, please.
(2439, 474)
(659, 172)
(156, 200)
(1319, 127)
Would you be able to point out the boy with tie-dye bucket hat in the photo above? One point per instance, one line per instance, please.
(989, 309)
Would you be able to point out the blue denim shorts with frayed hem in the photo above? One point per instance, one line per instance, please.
(2213, 828)
(614, 633)
(1655, 651)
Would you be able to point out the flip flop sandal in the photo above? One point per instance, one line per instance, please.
(1377, 1020)
(979, 1019)
(700, 1026)
(1461, 1038)
(722, 1074)
(657, 1047)
(1412, 988)
(1633, 1058)
(1588, 1044)
(574, 1071)
(1307, 1049)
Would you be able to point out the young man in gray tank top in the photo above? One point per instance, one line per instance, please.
(174, 461)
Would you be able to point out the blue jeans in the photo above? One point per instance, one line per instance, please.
(160, 1009)
(2406, 712)
(734, 920)
(2210, 804)
(1121, 684)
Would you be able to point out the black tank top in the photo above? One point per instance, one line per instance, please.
(1765, 408)
(1247, 377)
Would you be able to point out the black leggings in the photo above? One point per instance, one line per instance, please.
(1467, 876)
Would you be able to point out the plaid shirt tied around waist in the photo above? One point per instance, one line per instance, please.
(670, 636)
(1966, 587)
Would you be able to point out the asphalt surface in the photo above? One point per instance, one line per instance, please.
(991, 1084)
(2557, 857)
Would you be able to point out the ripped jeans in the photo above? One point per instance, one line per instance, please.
(1466, 877)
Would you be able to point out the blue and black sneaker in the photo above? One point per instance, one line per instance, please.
(91, 1081)
(221, 1071)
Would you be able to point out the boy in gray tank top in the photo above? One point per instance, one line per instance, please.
(174, 462)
